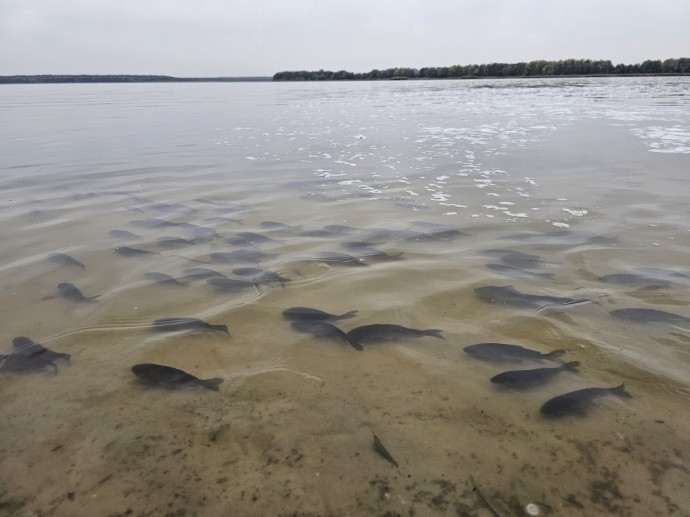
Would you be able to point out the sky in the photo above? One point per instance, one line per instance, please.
(231, 38)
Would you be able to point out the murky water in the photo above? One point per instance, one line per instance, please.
(396, 199)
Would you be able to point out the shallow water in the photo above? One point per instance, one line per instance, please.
(590, 175)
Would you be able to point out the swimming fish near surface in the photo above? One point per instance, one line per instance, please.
(238, 256)
(162, 278)
(63, 259)
(172, 377)
(634, 279)
(517, 271)
(201, 272)
(379, 332)
(340, 259)
(133, 252)
(183, 323)
(577, 402)
(125, 235)
(72, 292)
(508, 295)
(523, 379)
(378, 447)
(306, 313)
(229, 284)
(322, 329)
(261, 276)
(642, 315)
(500, 352)
(30, 356)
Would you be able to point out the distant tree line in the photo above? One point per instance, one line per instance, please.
(531, 69)
(31, 79)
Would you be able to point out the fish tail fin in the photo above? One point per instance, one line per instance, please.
(620, 391)
(433, 333)
(348, 315)
(572, 366)
(211, 384)
(555, 354)
(222, 328)
(354, 344)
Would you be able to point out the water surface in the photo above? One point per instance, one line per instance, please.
(425, 184)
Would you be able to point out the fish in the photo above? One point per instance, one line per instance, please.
(162, 278)
(633, 279)
(517, 259)
(309, 314)
(223, 219)
(200, 233)
(340, 229)
(523, 379)
(22, 363)
(26, 347)
(641, 315)
(172, 377)
(174, 242)
(261, 276)
(508, 295)
(517, 272)
(152, 223)
(238, 256)
(202, 272)
(124, 235)
(577, 402)
(340, 259)
(378, 447)
(63, 259)
(388, 332)
(321, 234)
(229, 284)
(378, 255)
(275, 225)
(184, 323)
(322, 329)
(133, 252)
(499, 352)
(71, 292)
(243, 238)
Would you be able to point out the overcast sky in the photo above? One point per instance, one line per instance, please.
(261, 37)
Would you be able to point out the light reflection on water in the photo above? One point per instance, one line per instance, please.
(587, 176)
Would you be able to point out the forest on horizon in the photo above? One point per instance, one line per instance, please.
(524, 69)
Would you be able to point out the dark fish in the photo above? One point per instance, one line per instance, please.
(517, 272)
(202, 233)
(133, 252)
(633, 279)
(238, 256)
(322, 329)
(71, 292)
(522, 379)
(577, 402)
(339, 259)
(22, 363)
(321, 234)
(261, 276)
(308, 314)
(508, 295)
(254, 238)
(201, 272)
(26, 347)
(152, 223)
(387, 332)
(358, 245)
(162, 278)
(65, 260)
(378, 255)
(229, 284)
(340, 229)
(378, 447)
(223, 219)
(177, 324)
(274, 225)
(517, 258)
(499, 352)
(167, 375)
(124, 235)
(640, 315)
(174, 242)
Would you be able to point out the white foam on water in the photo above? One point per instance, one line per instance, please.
(561, 225)
(576, 213)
